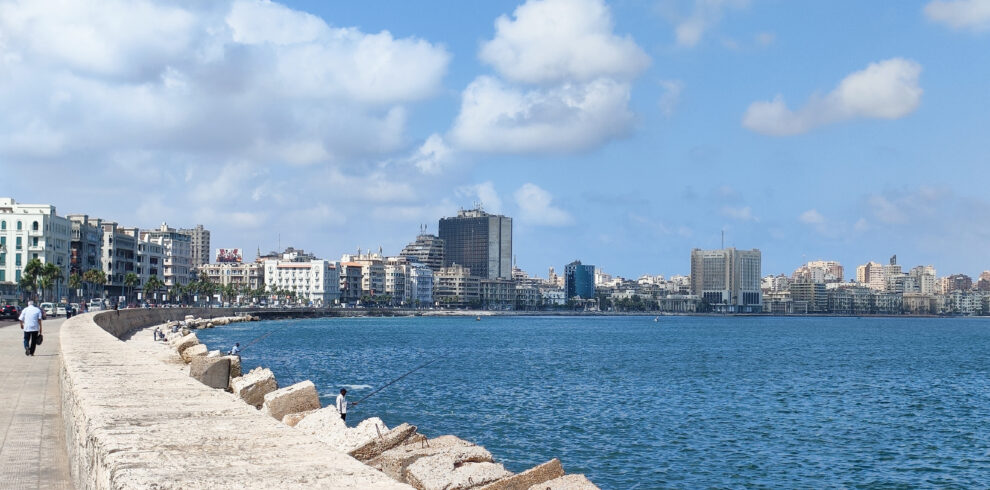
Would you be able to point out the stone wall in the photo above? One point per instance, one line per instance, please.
(133, 422)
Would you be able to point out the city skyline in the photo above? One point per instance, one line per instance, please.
(633, 134)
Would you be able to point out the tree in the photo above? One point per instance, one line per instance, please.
(95, 277)
(31, 276)
(75, 282)
(131, 280)
(151, 287)
(53, 275)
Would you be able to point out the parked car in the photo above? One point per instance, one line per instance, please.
(60, 309)
(95, 304)
(48, 309)
(10, 311)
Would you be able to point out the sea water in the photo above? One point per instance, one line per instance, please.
(683, 402)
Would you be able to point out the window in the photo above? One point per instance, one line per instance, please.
(17, 276)
(3, 225)
(34, 241)
(17, 260)
(34, 227)
(3, 275)
(3, 260)
(19, 226)
(18, 244)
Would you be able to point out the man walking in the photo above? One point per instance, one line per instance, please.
(31, 325)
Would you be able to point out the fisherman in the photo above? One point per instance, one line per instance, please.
(236, 349)
(342, 404)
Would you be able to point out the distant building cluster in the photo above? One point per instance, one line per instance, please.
(468, 264)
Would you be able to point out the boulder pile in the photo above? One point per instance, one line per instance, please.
(441, 463)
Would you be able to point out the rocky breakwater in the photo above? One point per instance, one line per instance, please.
(402, 453)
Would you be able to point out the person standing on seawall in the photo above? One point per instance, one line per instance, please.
(31, 325)
(342, 404)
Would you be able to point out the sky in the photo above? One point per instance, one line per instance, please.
(621, 133)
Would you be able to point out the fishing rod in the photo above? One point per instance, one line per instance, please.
(386, 385)
(262, 337)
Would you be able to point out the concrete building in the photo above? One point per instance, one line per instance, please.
(427, 250)
(150, 258)
(33, 231)
(579, 280)
(86, 245)
(199, 240)
(419, 285)
(812, 294)
(497, 293)
(819, 271)
(119, 258)
(456, 286)
(316, 282)
(178, 254)
(238, 274)
(921, 279)
(871, 275)
(372, 271)
(478, 241)
(727, 279)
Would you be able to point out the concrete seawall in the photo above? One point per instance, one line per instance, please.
(132, 422)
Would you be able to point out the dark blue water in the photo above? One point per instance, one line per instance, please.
(687, 402)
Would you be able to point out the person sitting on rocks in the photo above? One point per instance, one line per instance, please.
(236, 349)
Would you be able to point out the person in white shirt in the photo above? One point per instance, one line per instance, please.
(31, 325)
(236, 349)
(342, 404)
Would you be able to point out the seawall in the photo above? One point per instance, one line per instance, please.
(133, 422)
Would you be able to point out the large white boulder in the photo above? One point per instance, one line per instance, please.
(299, 397)
(395, 461)
(533, 476)
(198, 350)
(455, 469)
(186, 342)
(388, 440)
(253, 386)
(566, 482)
(211, 371)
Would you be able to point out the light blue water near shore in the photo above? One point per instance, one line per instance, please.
(687, 402)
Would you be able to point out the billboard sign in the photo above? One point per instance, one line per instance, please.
(226, 255)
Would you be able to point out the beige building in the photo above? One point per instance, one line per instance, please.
(199, 240)
(455, 286)
(178, 254)
(728, 279)
(372, 271)
(238, 274)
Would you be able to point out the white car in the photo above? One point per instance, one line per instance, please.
(48, 308)
(95, 305)
(60, 309)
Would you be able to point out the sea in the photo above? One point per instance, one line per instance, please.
(668, 402)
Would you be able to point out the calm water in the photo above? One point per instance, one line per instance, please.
(687, 402)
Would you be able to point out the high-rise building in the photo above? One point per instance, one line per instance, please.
(871, 275)
(178, 253)
(478, 241)
(199, 239)
(119, 257)
(426, 250)
(728, 279)
(86, 243)
(579, 280)
(33, 231)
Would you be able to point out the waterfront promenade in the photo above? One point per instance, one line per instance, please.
(32, 451)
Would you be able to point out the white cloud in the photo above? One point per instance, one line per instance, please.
(433, 155)
(705, 14)
(536, 207)
(883, 90)
(569, 118)
(960, 14)
(554, 41)
(671, 96)
(812, 217)
(252, 80)
(484, 193)
(744, 213)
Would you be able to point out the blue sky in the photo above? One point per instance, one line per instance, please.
(620, 133)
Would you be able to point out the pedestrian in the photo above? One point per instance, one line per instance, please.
(236, 349)
(342, 404)
(31, 325)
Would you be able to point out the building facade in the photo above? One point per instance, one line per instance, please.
(456, 286)
(316, 282)
(579, 280)
(86, 244)
(178, 254)
(241, 275)
(33, 231)
(727, 279)
(199, 241)
(478, 241)
(426, 250)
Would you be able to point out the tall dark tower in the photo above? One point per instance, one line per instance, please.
(479, 241)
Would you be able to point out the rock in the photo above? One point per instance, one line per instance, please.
(186, 342)
(388, 440)
(323, 421)
(194, 351)
(566, 482)
(291, 419)
(299, 397)
(395, 461)
(213, 353)
(535, 475)
(455, 469)
(211, 371)
(235, 366)
(185, 331)
(189, 317)
(253, 386)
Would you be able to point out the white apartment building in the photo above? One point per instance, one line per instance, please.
(238, 274)
(922, 280)
(316, 282)
(119, 257)
(150, 259)
(178, 253)
(419, 285)
(33, 231)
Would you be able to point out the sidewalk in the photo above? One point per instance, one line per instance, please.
(32, 439)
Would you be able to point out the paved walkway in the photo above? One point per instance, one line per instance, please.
(32, 439)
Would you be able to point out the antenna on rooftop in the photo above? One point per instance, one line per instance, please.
(723, 238)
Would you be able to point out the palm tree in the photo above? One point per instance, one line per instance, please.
(54, 275)
(33, 272)
(75, 282)
(131, 280)
(151, 287)
(95, 277)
